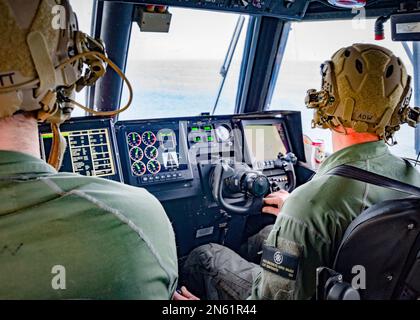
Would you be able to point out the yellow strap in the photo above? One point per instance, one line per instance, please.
(58, 147)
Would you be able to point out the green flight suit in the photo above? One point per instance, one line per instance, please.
(309, 229)
(316, 215)
(65, 236)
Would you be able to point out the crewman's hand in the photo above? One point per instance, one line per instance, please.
(184, 295)
(274, 202)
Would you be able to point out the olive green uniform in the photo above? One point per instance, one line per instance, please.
(113, 241)
(309, 228)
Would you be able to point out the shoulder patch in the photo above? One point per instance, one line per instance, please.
(280, 262)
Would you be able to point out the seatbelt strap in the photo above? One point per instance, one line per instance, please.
(373, 178)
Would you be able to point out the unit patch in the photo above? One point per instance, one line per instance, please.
(280, 263)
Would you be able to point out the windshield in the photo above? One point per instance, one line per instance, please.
(311, 43)
(84, 10)
(177, 73)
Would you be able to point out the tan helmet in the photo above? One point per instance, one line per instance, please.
(364, 87)
(38, 39)
(44, 60)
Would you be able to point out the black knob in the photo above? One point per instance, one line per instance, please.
(258, 185)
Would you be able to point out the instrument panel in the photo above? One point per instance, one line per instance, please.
(174, 160)
(146, 153)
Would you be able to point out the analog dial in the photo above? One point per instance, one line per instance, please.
(151, 152)
(223, 133)
(133, 139)
(136, 154)
(138, 168)
(153, 166)
(149, 138)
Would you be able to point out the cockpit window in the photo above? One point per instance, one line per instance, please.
(84, 11)
(177, 73)
(310, 44)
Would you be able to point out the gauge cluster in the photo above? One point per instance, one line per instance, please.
(143, 153)
(154, 153)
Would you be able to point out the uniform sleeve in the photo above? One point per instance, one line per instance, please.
(303, 236)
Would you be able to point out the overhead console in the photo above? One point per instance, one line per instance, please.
(286, 9)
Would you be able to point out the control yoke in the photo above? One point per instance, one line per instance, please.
(240, 183)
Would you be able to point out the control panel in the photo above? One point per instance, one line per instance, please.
(154, 152)
(91, 148)
(210, 140)
(266, 143)
(209, 172)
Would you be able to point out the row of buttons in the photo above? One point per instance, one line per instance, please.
(161, 177)
(279, 179)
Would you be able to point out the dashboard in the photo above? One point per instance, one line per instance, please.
(174, 158)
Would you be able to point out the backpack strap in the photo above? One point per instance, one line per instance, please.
(373, 178)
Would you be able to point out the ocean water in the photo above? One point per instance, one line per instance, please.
(179, 88)
(185, 88)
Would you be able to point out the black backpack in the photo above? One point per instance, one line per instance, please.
(384, 240)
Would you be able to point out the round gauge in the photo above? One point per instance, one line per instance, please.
(138, 168)
(223, 133)
(133, 139)
(136, 154)
(148, 138)
(153, 166)
(151, 152)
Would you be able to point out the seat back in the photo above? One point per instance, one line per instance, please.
(380, 251)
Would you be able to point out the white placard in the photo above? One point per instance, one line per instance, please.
(410, 27)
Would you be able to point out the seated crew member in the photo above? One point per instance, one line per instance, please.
(65, 236)
(364, 99)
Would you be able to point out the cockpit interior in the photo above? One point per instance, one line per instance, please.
(210, 159)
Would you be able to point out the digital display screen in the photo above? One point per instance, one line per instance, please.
(152, 152)
(88, 152)
(264, 141)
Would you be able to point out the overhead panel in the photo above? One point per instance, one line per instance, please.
(285, 9)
